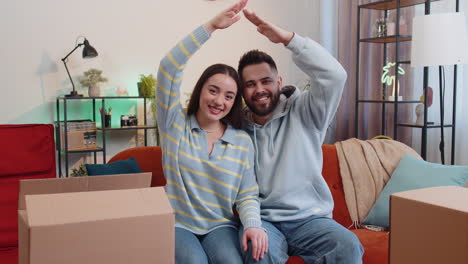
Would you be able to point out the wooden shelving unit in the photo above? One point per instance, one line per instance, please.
(62, 120)
(385, 6)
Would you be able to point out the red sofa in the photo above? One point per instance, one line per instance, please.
(375, 243)
(27, 152)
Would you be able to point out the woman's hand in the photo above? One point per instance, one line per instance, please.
(226, 18)
(259, 241)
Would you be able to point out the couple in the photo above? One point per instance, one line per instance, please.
(211, 164)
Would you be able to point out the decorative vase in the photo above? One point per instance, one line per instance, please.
(419, 114)
(94, 90)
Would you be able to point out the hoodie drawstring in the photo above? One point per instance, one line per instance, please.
(256, 148)
(270, 143)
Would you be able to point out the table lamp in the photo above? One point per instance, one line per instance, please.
(88, 52)
(438, 40)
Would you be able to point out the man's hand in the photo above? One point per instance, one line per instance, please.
(226, 18)
(274, 33)
(259, 241)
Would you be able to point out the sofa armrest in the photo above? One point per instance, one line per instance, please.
(149, 159)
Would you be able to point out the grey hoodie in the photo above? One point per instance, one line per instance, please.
(288, 161)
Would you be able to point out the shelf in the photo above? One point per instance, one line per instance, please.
(421, 126)
(389, 102)
(392, 4)
(387, 39)
(126, 128)
(98, 149)
(386, 9)
(79, 148)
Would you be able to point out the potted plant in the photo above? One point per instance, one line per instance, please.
(147, 86)
(79, 171)
(92, 78)
(147, 89)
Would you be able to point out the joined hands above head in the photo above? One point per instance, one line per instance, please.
(226, 18)
(230, 16)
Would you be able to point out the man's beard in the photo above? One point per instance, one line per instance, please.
(274, 98)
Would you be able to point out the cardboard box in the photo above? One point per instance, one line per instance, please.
(429, 226)
(97, 219)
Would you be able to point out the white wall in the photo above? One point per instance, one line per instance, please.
(131, 37)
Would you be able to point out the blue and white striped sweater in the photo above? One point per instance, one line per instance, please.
(202, 188)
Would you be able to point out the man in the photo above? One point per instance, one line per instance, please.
(288, 129)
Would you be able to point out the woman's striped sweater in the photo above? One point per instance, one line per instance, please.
(202, 188)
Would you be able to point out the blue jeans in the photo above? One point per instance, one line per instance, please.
(218, 246)
(317, 240)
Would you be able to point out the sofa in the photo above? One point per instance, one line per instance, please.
(375, 243)
(27, 152)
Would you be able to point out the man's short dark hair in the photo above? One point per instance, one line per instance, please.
(255, 57)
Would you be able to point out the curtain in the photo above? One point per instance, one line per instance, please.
(371, 68)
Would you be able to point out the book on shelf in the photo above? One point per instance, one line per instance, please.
(81, 135)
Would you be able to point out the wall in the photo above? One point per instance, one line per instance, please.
(131, 37)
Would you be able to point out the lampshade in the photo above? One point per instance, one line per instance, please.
(439, 39)
(88, 50)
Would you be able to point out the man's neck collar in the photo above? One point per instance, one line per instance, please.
(261, 120)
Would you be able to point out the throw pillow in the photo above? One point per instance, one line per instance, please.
(411, 174)
(118, 167)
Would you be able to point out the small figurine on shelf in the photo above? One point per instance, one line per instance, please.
(390, 80)
(380, 27)
(420, 107)
(121, 91)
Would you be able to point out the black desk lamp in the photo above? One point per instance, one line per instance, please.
(88, 52)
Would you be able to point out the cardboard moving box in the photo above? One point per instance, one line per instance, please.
(429, 226)
(96, 219)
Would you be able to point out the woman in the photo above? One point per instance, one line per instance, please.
(207, 159)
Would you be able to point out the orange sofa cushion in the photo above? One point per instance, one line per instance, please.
(375, 245)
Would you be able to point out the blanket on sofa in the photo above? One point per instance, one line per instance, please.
(365, 167)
